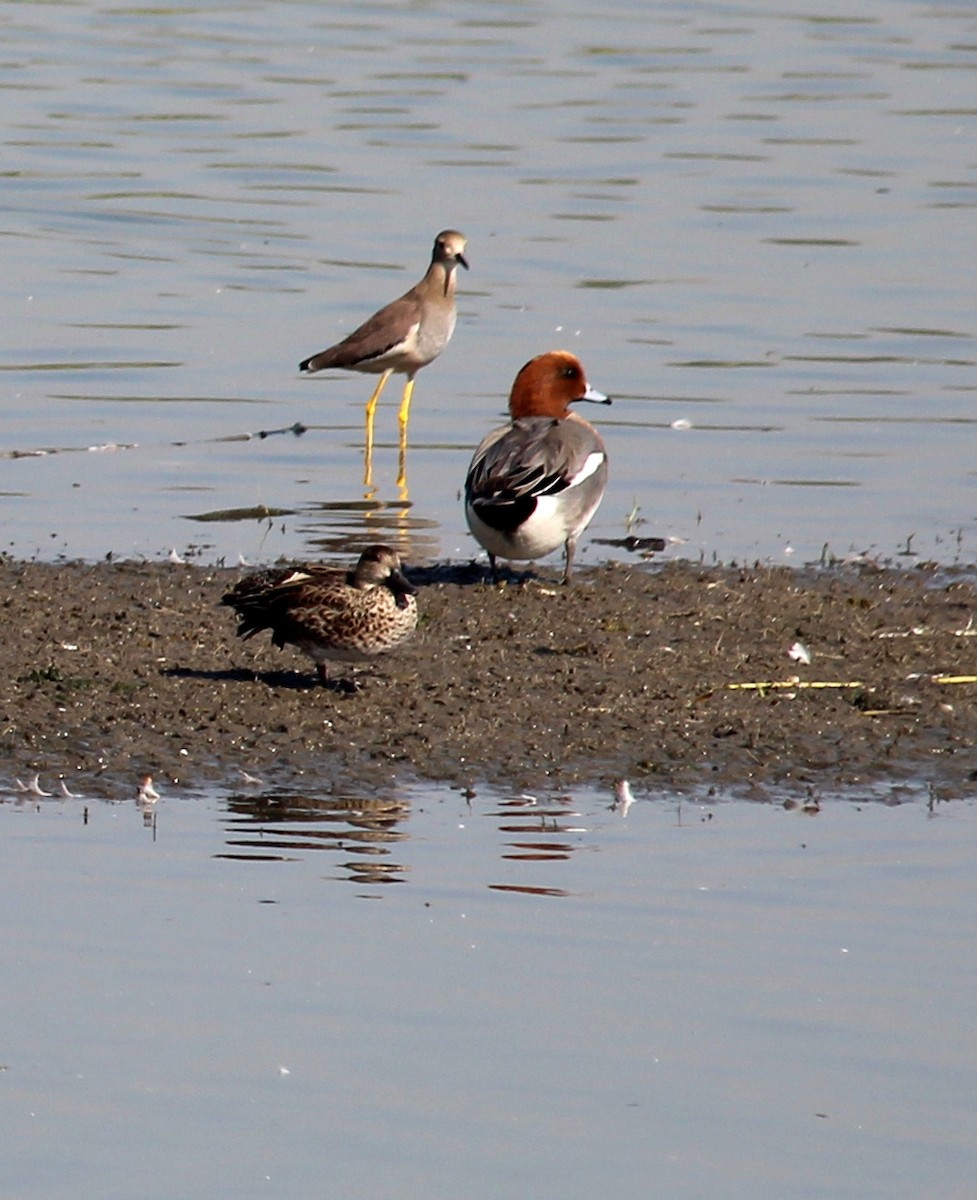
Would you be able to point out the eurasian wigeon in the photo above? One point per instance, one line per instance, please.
(535, 484)
(405, 335)
(329, 613)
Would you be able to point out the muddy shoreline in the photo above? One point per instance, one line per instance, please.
(650, 673)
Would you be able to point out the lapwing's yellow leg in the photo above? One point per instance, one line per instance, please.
(402, 493)
(404, 413)
(371, 410)
(402, 417)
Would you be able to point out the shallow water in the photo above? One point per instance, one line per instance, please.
(246, 994)
(747, 221)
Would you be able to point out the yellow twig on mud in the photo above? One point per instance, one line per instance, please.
(791, 684)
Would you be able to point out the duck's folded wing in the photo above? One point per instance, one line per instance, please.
(534, 456)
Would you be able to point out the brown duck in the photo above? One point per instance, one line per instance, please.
(328, 613)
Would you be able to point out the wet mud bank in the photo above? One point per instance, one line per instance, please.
(672, 675)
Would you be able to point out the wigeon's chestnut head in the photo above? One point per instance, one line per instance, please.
(548, 384)
(534, 485)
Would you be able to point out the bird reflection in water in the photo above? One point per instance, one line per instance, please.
(285, 827)
(540, 831)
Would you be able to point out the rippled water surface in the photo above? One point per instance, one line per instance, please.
(753, 225)
(421, 994)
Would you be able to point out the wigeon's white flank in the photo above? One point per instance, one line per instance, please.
(534, 485)
(407, 334)
(329, 613)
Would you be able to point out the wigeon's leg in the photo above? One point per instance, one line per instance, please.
(494, 566)
(571, 547)
(323, 673)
